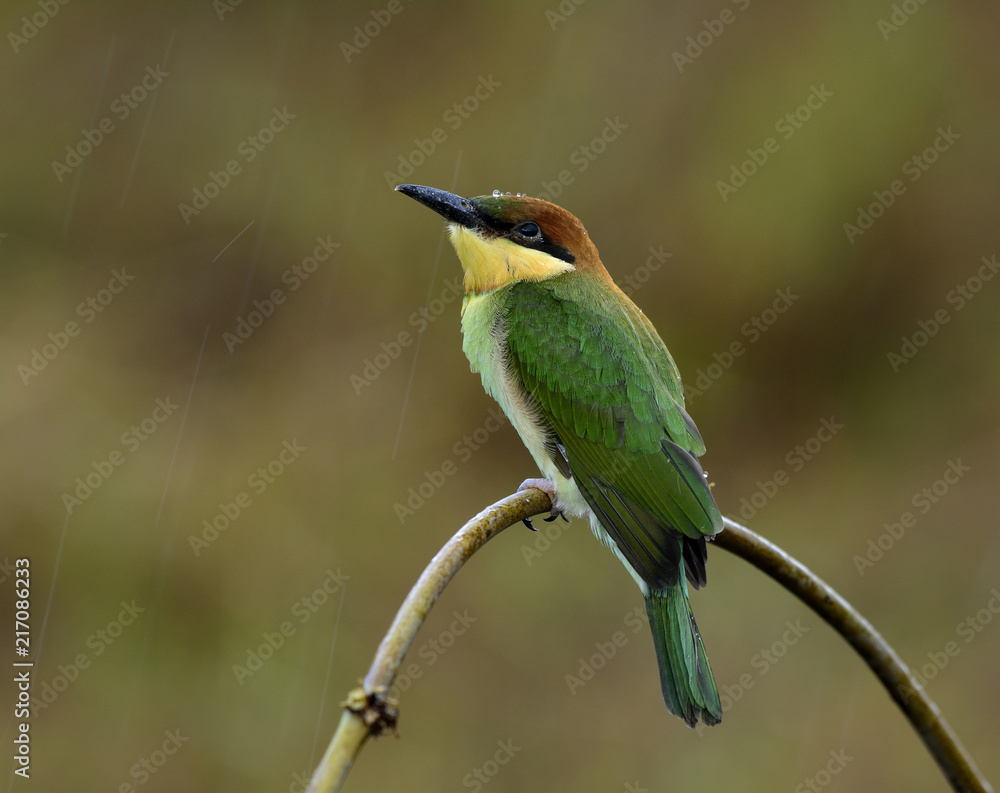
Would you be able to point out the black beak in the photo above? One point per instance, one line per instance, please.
(450, 206)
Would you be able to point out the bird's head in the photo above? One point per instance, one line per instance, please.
(502, 238)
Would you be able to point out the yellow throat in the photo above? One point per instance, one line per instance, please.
(492, 263)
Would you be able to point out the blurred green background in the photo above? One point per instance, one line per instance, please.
(367, 398)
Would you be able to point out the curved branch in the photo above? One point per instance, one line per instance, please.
(368, 710)
(905, 689)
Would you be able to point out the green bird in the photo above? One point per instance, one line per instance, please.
(597, 399)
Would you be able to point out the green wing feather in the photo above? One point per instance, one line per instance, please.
(606, 384)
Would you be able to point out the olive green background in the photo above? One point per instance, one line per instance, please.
(556, 82)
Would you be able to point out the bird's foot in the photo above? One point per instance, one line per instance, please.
(546, 486)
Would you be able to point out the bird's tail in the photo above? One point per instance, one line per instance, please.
(685, 675)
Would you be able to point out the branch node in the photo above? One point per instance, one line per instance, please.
(376, 709)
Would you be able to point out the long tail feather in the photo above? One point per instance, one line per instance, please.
(685, 675)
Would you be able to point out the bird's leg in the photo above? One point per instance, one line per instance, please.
(546, 486)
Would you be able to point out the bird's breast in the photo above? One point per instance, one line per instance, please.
(485, 345)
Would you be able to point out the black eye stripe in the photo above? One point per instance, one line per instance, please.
(514, 233)
(540, 242)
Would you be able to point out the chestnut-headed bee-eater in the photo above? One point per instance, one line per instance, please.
(596, 397)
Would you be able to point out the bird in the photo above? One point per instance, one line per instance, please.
(593, 392)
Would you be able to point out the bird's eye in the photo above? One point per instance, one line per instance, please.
(529, 229)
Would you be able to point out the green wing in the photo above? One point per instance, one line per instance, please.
(607, 386)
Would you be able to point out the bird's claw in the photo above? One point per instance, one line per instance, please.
(546, 486)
